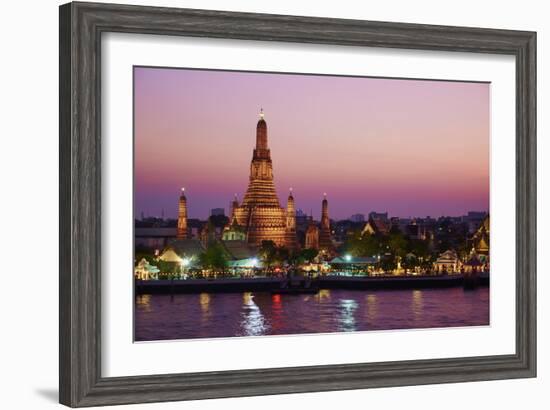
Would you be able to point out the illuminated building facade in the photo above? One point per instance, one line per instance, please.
(233, 232)
(481, 238)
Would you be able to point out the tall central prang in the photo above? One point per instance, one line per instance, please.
(260, 212)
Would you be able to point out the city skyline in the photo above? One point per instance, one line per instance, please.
(301, 212)
(195, 128)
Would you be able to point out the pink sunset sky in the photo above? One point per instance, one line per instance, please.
(408, 147)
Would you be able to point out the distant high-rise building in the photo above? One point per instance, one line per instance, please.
(477, 214)
(357, 218)
(473, 219)
(217, 212)
(379, 215)
(301, 216)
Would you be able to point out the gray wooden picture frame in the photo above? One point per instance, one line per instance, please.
(81, 27)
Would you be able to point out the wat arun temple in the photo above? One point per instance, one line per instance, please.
(260, 213)
(260, 216)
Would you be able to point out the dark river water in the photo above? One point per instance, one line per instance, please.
(190, 316)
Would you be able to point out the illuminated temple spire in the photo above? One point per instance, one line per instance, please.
(182, 216)
(234, 206)
(290, 212)
(261, 151)
(290, 221)
(325, 242)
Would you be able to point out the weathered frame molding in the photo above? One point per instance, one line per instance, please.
(81, 26)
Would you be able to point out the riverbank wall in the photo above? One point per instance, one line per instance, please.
(326, 282)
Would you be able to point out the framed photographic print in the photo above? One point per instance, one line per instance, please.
(260, 204)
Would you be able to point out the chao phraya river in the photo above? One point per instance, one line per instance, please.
(208, 315)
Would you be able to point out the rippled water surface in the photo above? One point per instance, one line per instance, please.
(189, 316)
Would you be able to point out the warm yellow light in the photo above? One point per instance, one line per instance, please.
(204, 301)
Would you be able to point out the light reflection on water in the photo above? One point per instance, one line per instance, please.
(205, 302)
(143, 302)
(371, 307)
(417, 304)
(347, 321)
(186, 316)
(253, 322)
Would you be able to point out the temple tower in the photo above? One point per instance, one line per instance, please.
(312, 235)
(182, 216)
(290, 222)
(325, 243)
(234, 206)
(260, 212)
